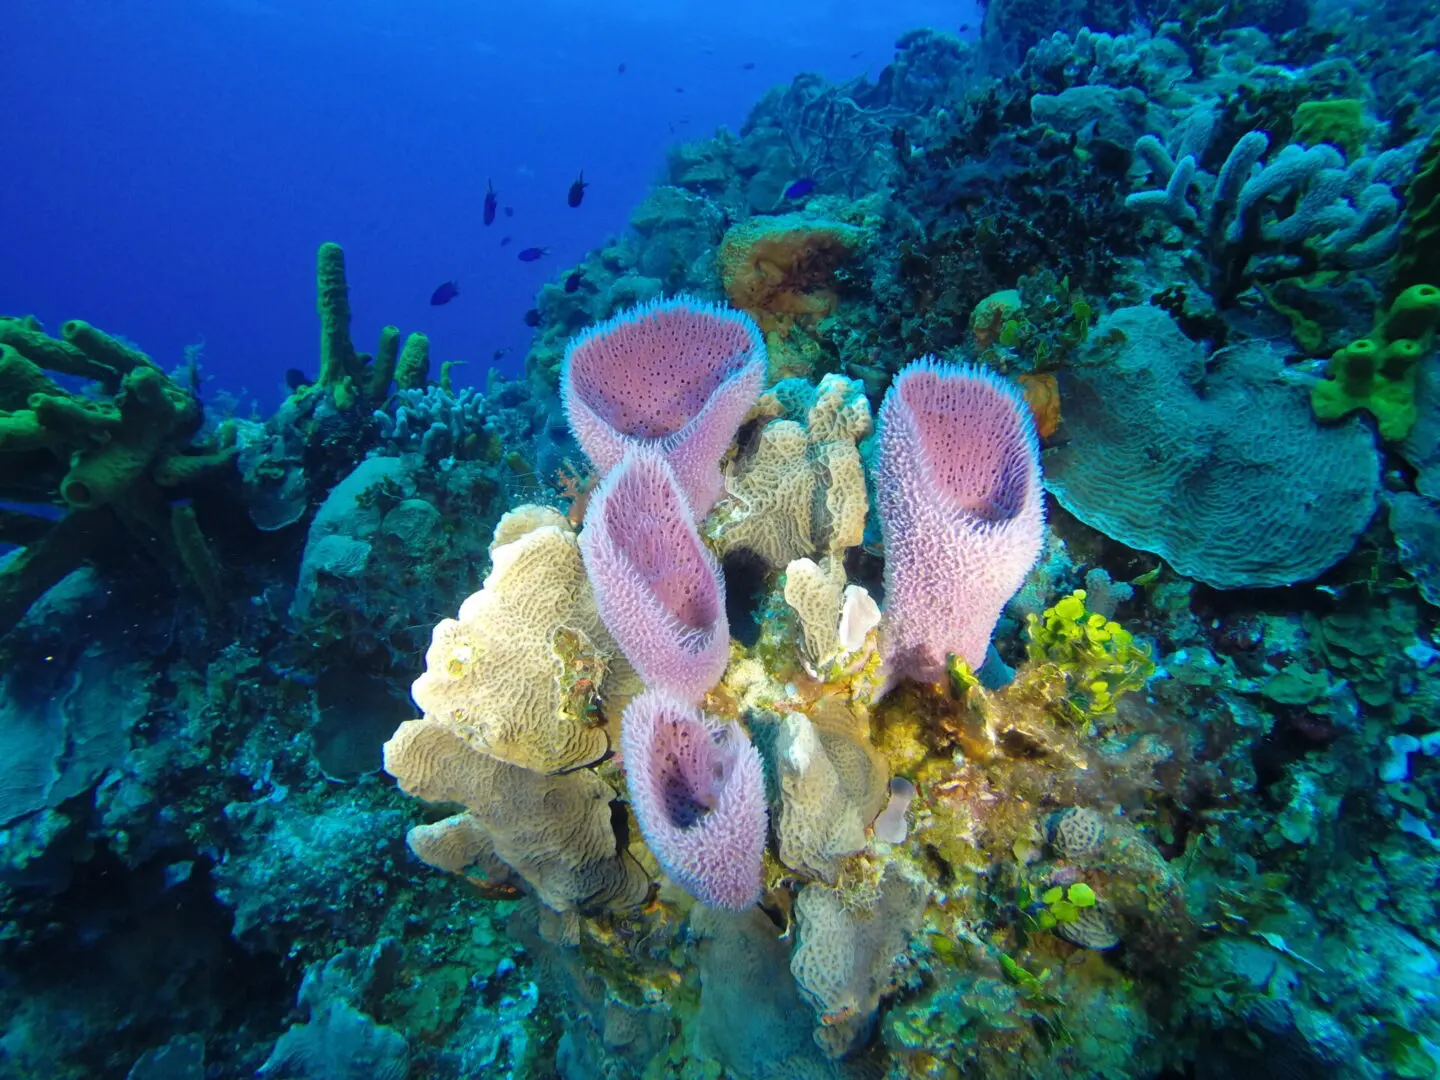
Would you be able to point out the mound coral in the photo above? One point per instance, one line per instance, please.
(698, 790)
(678, 374)
(958, 482)
(781, 270)
(658, 587)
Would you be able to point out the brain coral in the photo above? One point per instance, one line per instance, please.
(698, 791)
(1216, 465)
(679, 374)
(957, 480)
(657, 585)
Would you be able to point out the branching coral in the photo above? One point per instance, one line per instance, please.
(1258, 219)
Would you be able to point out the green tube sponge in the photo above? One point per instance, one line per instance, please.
(382, 371)
(1418, 260)
(332, 302)
(1374, 377)
(153, 411)
(1338, 121)
(412, 370)
(27, 338)
(1415, 312)
(104, 349)
(21, 379)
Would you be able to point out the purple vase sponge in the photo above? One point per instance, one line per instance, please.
(679, 375)
(657, 586)
(698, 790)
(957, 477)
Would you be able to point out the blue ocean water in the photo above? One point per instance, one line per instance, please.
(908, 548)
(184, 159)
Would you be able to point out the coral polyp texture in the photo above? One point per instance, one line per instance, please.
(676, 374)
(957, 474)
(658, 587)
(698, 790)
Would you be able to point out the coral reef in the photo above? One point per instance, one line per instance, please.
(719, 774)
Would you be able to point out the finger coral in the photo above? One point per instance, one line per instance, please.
(958, 482)
(658, 587)
(698, 791)
(677, 374)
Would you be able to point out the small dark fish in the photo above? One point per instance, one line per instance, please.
(683, 121)
(577, 190)
(620, 70)
(491, 200)
(509, 211)
(445, 293)
(532, 317)
(573, 281)
(498, 354)
(679, 89)
(748, 65)
(505, 240)
(964, 28)
(295, 378)
(800, 188)
(857, 55)
(531, 254)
